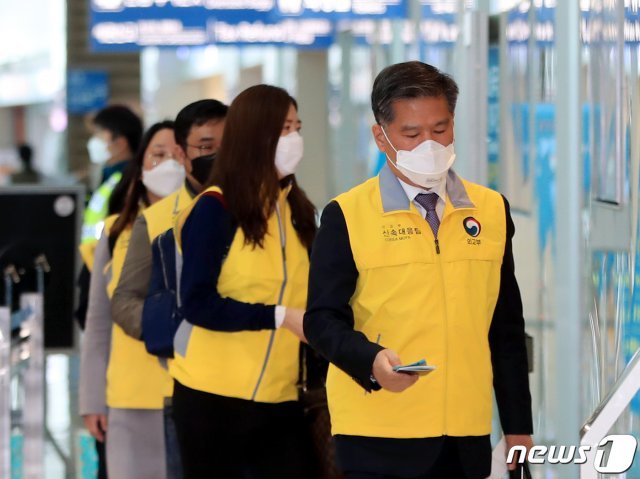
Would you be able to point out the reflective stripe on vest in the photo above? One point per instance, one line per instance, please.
(254, 365)
(97, 209)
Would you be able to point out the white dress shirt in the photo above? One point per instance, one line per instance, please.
(280, 313)
(440, 190)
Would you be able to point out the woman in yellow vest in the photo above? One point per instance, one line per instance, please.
(134, 382)
(245, 244)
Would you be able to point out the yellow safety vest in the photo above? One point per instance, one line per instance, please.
(256, 365)
(423, 304)
(161, 216)
(135, 379)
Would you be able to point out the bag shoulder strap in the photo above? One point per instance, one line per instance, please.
(178, 259)
(163, 260)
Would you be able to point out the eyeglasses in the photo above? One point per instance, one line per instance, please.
(204, 149)
(159, 157)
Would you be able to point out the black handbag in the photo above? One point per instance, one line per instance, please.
(313, 398)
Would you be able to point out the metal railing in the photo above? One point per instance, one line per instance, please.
(5, 392)
(33, 409)
(22, 361)
(607, 413)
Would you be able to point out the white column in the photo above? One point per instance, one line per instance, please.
(313, 101)
(570, 311)
(470, 71)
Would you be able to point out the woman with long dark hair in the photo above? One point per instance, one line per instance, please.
(245, 244)
(122, 388)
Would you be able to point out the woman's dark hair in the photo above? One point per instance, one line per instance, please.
(132, 182)
(245, 165)
(410, 80)
(119, 193)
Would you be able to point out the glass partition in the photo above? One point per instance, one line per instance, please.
(610, 80)
(363, 48)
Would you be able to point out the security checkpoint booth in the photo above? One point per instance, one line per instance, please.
(38, 260)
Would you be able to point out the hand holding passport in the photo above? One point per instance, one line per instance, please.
(419, 367)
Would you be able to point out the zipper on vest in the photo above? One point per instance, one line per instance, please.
(446, 333)
(283, 244)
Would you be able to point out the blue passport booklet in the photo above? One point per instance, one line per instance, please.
(419, 367)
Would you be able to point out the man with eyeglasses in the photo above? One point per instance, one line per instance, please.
(199, 128)
(198, 131)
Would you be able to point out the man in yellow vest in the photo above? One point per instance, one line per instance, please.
(117, 132)
(416, 264)
(116, 137)
(198, 130)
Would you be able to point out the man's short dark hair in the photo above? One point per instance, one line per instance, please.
(26, 153)
(410, 80)
(121, 121)
(197, 114)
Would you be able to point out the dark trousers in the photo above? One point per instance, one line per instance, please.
(174, 462)
(446, 457)
(447, 466)
(230, 438)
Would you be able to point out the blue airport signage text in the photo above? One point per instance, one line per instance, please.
(126, 25)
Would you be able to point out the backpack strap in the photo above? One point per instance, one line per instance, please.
(163, 262)
(178, 274)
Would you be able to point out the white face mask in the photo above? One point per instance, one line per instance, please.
(164, 179)
(98, 150)
(289, 153)
(427, 164)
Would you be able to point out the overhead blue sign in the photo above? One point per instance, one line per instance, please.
(249, 10)
(632, 24)
(434, 29)
(545, 26)
(131, 24)
(308, 33)
(87, 91)
(518, 29)
(439, 25)
(131, 36)
(596, 26)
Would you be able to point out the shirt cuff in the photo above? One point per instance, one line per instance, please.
(279, 314)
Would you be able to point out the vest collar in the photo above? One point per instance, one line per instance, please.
(395, 199)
